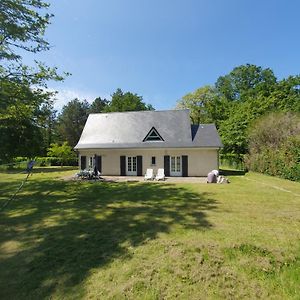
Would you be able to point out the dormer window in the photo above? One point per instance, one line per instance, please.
(153, 136)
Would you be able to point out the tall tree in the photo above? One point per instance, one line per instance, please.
(22, 28)
(99, 105)
(286, 95)
(71, 121)
(246, 81)
(127, 102)
(19, 128)
(239, 99)
(205, 106)
(47, 121)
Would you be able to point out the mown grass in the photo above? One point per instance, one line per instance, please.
(73, 240)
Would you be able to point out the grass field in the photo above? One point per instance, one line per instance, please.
(74, 240)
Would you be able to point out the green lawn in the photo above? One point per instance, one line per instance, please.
(74, 240)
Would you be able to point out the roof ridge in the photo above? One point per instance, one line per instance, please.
(139, 111)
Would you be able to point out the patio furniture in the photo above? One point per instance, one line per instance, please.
(86, 174)
(149, 175)
(160, 174)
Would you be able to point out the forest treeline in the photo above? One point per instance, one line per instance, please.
(257, 114)
(29, 124)
(246, 102)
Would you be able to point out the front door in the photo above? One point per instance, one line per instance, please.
(131, 169)
(175, 166)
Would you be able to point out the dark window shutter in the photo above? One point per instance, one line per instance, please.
(123, 165)
(99, 163)
(167, 165)
(83, 162)
(184, 166)
(139, 165)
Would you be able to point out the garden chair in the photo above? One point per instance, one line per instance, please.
(149, 175)
(160, 174)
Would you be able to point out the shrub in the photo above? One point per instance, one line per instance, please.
(64, 153)
(275, 146)
(56, 161)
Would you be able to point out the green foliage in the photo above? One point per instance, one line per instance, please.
(98, 105)
(48, 125)
(63, 152)
(22, 27)
(238, 99)
(56, 161)
(286, 95)
(205, 106)
(23, 110)
(246, 81)
(232, 161)
(128, 101)
(274, 143)
(71, 121)
(20, 126)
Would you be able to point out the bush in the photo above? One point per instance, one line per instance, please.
(56, 161)
(21, 162)
(63, 154)
(275, 146)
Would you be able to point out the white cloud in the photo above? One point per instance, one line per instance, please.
(65, 95)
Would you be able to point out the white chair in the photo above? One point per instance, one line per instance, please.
(149, 175)
(160, 174)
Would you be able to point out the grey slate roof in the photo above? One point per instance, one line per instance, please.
(128, 129)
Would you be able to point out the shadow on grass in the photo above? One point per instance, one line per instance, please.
(66, 229)
(226, 172)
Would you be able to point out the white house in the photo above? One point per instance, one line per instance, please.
(127, 143)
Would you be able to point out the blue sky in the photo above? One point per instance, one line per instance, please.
(165, 49)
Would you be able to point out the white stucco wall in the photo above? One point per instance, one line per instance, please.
(200, 161)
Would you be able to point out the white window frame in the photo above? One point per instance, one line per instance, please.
(175, 165)
(131, 165)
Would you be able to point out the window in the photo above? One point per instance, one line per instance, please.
(153, 161)
(131, 165)
(153, 135)
(175, 164)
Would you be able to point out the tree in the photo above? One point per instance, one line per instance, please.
(245, 82)
(127, 102)
(99, 105)
(64, 152)
(71, 121)
(47, 122)
(233, 130)
(205, 106)
(253, 92)
(20, 130)
(286, 95)
(22, 28)
(238, 99)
